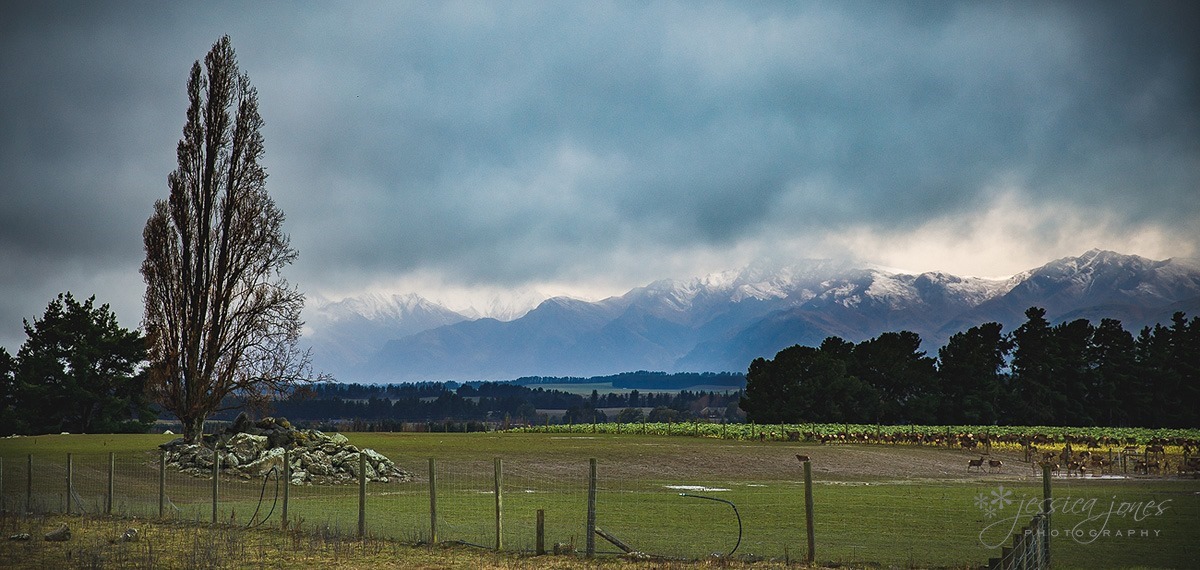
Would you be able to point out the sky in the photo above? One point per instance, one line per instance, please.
(473, 150)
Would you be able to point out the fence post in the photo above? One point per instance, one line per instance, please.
(162, 482)
(362, 495)
(216, 477)
(3, 503)
(112, 464)
(70, 488)
(499, 504)
(808, 508)
(1046, 504)
(287, 486)
(433, 538)
(541, 532)
(29, 485)
(591, 509)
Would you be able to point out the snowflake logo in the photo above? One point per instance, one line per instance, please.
(1001, 497)
(982, 501)
(993, 503)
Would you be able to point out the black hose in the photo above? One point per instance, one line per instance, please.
(262, 493)
(735, 513)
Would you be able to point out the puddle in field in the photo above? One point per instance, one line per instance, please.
(695, 488)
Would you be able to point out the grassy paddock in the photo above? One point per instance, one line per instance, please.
(875, 504)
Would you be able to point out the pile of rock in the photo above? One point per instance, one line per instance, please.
(249, 450)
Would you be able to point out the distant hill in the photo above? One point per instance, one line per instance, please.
(723, 321)
(643, 380)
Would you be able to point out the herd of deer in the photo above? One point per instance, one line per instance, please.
(1080, 464)
(1151, 460)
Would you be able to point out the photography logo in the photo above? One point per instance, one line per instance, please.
(1082, 519)
(993, 504)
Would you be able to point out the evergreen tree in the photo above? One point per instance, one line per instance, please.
(805, 384)
(972, 378)
(1186, 350)
(1160, 380)
(1032, 371)
(894, 366)
(769, 390)
(78, 371)
(1072, 373)
(9, 422)
(1117, 391)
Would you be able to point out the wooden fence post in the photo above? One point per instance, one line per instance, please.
(362, 495)
(591, 509)
(112, 464)
(70, 489)
(499, 468)
(1046, 505)
(541, 532)
(162, 482)
(216, 477)
(433, 537)
(29, 485)
(287, 487)
(808, 508)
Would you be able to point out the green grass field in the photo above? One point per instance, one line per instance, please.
(874, 504)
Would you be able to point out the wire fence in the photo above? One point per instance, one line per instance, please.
(596, 507)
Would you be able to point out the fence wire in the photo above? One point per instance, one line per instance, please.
(642, 506)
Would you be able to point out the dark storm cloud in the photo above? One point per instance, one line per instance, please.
(515, 142)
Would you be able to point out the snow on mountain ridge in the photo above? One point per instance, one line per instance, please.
(375, 306)
(722, 320)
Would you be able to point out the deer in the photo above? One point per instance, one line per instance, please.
(995, 464)
(1048, 463)
(1145, 467)
(976, 463)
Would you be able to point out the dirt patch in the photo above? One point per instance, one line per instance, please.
(685, 459)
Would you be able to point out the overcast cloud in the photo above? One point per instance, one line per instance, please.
(459, 149)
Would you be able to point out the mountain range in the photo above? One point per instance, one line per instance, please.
(723, 321)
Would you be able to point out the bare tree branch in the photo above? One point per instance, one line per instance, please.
(220, 319)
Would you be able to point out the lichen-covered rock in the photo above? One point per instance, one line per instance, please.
(270, 459)
(338, 440)
(250, 449)
(247, 447)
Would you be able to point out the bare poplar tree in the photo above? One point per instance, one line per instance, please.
(220, 319)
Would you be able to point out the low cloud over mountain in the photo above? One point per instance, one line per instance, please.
(723, 321)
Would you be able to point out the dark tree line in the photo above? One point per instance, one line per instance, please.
(490, 401)
(1070, 374)
(647, 380)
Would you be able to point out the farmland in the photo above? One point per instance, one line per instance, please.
(888, 504)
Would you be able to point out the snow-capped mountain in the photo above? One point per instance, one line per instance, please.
(344, 334)
(723, 321)
(1098, 284)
